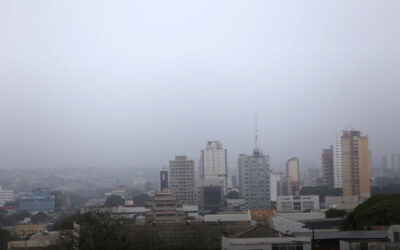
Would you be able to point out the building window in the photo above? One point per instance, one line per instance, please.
(364, 246)
(396, 236)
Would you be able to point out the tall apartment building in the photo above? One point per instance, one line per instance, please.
(337, 161)
(6, 196)
(391, 162)
(163, 179)
(293, 169)
(213, 164)
(351, 158)
(274, 179)
(284, 186)
(210, 196)
(328, 168)
(182, 183)
(254, 180)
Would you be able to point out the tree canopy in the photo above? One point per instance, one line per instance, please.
(335, 213)
(141, 198)
(379, 210)
(114, 201)
(99, 230)
(5, 237)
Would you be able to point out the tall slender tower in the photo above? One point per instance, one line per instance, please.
(293, 169)
(254, 178)
(163, 179)
(327, 168)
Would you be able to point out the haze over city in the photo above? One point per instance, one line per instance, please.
(134, 83)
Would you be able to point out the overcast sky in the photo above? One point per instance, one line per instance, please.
(134, 83)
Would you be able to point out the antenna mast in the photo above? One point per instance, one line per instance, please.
(256, 135)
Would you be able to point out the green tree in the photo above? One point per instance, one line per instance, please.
(114, 201)
(39, 218)
(5, 237)
(335, 213)
(141, 198)
(98, 230)
(379, 210)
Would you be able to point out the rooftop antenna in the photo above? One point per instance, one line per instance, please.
(256, 135)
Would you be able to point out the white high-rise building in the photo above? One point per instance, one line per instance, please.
(274, 179)
(213, 164)
(337, 161)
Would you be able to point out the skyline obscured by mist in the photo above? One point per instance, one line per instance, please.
(132, 84)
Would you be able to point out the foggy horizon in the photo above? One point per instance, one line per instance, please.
(132, 84)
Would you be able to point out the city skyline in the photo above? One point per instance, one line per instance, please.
(130, 84)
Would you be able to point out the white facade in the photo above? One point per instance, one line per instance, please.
(293, 169)
(274, 180)
(213, 163)
(337, 161)
(297, 203)
(6, 196)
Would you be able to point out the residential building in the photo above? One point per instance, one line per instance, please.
(297, 203)
(284, 186)
(352, 163)
(38, 200)
(337, 161)
(182, 183)
(210, 195)
(342, 202)
(163, 179)
(213, 163)
(121, 191)
(6, 196)
(254, 180)
(313, 177)
(274, 179)
(164, 207)
(293, 169)
(355, 164)
(293, 172)
(263, 237)
(328, 168)
(391, 162)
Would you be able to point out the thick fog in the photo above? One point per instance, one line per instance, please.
(134, 83)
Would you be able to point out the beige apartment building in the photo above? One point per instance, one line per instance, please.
(355, 164)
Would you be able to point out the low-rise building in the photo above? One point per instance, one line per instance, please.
(236, 204)
(210, 195)
(38, 200)
(164, 207)
(342, 202)
(263, 237)
(6, 196)
(297, 203)
(227, 217)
